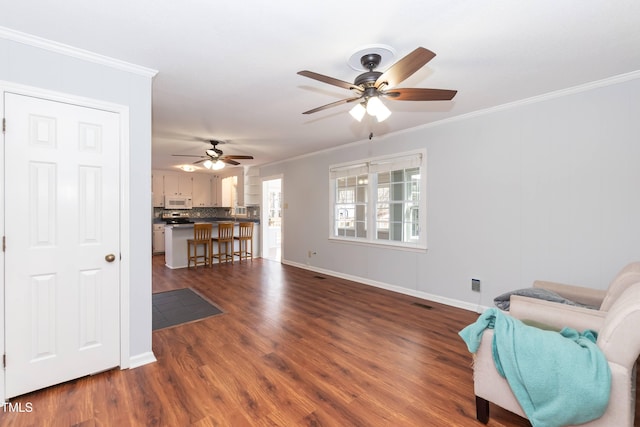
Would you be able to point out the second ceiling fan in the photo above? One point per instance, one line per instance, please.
(371, 85)
(214, 156)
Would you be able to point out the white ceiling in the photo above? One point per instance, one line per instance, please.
(227, 69)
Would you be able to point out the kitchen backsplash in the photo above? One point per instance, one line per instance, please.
(196, 212)
(252, 212)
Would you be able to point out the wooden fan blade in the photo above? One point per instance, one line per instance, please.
(416, 94)
(405, 67)
(330, 80)
(199, 161)
(230, 162)
(186, 155)
(333, 104)
(236, 157)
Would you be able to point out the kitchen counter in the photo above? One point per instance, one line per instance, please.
(176, 236)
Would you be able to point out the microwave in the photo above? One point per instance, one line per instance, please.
(178, 202)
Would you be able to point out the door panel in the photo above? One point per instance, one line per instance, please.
(62, 219)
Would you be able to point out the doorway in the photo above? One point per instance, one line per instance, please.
(272, 219)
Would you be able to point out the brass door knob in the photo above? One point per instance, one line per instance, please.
(110, 258)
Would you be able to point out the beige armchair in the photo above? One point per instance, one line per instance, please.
(618, 338)
(596, 297)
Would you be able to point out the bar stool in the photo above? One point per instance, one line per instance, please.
(225, 236)
(201, 236)
(245, 240)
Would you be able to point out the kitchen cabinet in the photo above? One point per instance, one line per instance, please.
(239, 200)
(216, 190)
(178, 185)
(157, 190)
(202, 191)
(229, 191)
(207, 190)
(158, 239)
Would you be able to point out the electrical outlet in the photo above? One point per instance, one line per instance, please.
(475, 285)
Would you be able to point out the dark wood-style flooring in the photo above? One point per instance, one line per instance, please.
(293, 348)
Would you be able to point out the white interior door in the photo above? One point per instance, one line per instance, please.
(61, 225)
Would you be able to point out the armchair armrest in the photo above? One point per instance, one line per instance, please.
(588, 296)
(556, 315)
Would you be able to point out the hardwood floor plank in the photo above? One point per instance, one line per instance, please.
(292, 348)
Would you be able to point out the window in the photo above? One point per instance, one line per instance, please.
(380, 201)
(351, 206)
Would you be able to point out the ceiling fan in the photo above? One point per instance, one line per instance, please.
(214, 158)
(372, 85)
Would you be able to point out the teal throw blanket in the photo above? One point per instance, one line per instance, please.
(559, 378)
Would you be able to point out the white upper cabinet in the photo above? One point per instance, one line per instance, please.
(206, 190)
(229, 191)
(216, 191)
(178, 185)
(202, 191)
(157, 189)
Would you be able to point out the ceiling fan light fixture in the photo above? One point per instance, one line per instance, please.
(217, 165)
(213, 164)
(358, 111)
(372, 84)
(375, 107)
(214, 158)
(383, 113)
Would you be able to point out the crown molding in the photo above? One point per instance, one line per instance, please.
(608, 81)
(39, 42)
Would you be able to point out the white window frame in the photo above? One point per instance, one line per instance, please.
(371, 167)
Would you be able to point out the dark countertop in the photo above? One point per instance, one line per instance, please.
(211, 219)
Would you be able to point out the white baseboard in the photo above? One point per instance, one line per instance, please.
(418, 294)
(141, 359)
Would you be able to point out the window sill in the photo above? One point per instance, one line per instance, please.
(394, 246)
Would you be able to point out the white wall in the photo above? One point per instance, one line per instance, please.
(31, 65)
(543, 189)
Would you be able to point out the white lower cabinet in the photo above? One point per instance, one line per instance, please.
(158, 238)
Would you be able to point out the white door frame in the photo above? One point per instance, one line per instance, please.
(123, 112)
